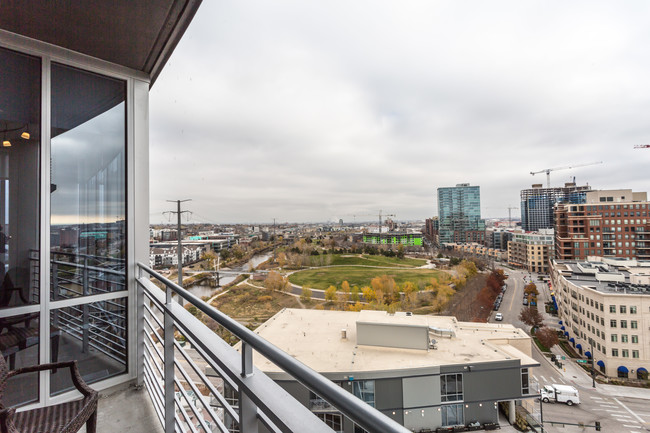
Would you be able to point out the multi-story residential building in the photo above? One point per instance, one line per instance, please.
(611, 223)
(431, 227)
(497, 238)
(394, 238)
(531, 250)
(604, 310)
(479, 250)
(459, 214)
(537, 204)
(405, 366)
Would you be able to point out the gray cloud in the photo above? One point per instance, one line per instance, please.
(306, 112)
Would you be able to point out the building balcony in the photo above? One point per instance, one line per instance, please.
(188, 379)
(198, 382)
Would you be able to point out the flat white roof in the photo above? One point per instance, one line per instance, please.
(314, 337)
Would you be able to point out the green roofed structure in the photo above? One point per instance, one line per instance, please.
(394, 238)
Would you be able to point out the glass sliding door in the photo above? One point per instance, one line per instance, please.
(88, 231)
(20, 123)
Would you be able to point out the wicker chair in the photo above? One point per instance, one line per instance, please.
(61, 418)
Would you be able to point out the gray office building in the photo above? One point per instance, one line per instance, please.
(537, 204)
(459, 213)
(425, 372)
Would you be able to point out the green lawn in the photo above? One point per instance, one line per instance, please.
(359, 276)
(367, 260)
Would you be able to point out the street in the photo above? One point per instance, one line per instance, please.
(618, 409)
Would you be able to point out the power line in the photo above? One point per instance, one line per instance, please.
(179, 212)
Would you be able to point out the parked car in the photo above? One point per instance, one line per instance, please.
(525, 301)
(498, 317)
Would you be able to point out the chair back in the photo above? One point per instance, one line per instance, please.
(4, 372)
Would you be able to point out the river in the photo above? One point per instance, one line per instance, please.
(202, 290)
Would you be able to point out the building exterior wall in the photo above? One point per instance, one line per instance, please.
(415, 400)
(537, 204)
(604, 323)
(603, 227)
(459, 213)
(531, 251)
(406, 239)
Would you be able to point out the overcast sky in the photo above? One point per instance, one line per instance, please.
(314, 111)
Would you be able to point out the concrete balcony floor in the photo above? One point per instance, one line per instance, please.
(126, 410)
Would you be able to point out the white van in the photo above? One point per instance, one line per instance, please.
(561, 394)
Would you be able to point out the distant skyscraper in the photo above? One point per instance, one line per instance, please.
(537, 204)
(459, 213)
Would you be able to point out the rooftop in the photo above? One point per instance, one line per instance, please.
(316, 338)
(608, 275)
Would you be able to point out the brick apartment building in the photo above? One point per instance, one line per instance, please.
(611, 223)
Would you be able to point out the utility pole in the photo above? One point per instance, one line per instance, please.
(180, 247)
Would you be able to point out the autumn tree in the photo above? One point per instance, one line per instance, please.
(385, 289)
(368, 294)
(410, 291)
(275, 281)
(547, 336)
(531, 317)
(305, 294)
(345, 287)
(531, 289)
(330, 293)
(400, 251)
(209, 257)
(354, 294)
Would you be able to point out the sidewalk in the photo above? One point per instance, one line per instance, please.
(577, 376)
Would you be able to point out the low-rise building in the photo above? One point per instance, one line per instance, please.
(531, 250)
(394, 238)
(604, 309)
(423, 371)
(478, 250)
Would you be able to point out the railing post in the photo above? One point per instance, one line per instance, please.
(247, 408)
(86, 291)
(55, 292)
(140, 330)
(170, 408)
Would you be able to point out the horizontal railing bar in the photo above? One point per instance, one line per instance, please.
(91, 268)
(348, 404)
(199, 396)
(188, 421)
(189, 381)
(154, 399)
(155, 389)
(267, 423)
(153, 361)
(281, 408)
(224, 404)
(221, 371)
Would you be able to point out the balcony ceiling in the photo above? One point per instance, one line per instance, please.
(140, 34)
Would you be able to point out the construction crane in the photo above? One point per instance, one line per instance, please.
(510, 208)
(386, 215)
(549, 170)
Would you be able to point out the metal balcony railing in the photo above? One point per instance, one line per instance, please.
(233, 396)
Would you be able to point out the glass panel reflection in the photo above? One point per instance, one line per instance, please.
(93, 334)
(20, 100)
(19, 341)
(88, 184)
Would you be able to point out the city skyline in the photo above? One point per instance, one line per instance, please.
(305, 112)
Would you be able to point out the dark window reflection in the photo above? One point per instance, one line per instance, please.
(19, 344)
(93, 334)
(20, 93)
(88, 188)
